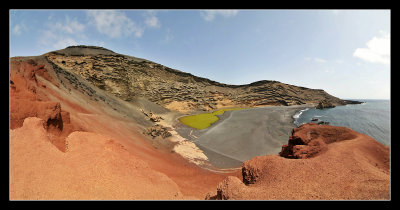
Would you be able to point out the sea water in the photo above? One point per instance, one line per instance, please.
(371, 118)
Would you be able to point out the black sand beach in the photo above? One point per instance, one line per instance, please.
(240, 135)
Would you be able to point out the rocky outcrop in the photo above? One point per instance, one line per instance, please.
(321, 162)
(128, 77)
(158, 130)
(151, 116)
(25, 98)
(28, 100)
(324, 104)
(352, 102)
(311, 139)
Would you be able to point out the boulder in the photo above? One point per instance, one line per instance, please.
(324, 104)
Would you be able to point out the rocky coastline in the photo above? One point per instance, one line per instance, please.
(352, 102)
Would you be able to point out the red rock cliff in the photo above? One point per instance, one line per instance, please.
(320, 162)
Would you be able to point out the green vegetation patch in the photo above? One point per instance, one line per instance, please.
(204, 120)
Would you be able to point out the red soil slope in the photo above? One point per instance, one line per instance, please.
(320, 162)
(28, 100)
(51, 158)
(94, 167)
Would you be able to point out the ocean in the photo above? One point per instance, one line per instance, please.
(371, 118)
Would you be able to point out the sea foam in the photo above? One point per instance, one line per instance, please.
(297, 115)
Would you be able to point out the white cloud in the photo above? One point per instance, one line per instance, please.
(209, 15)
(70, 26)
(51, 40)
(47, 36)
(152, 20)
(377, 50)
(61, 34)
(18, 29)
(113, 23)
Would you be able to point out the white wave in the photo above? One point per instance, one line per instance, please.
(297, 115)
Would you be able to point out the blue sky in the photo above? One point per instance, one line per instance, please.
(344, 52)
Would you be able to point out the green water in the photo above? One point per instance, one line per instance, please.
(204, 120)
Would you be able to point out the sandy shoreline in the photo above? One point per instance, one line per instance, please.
(242, 134)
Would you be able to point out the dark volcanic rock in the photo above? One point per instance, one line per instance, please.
(324, 104)
(158, 130)
(128, 78)
(352, 102)
(151, 116)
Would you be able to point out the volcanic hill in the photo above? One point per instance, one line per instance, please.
(128, 78)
